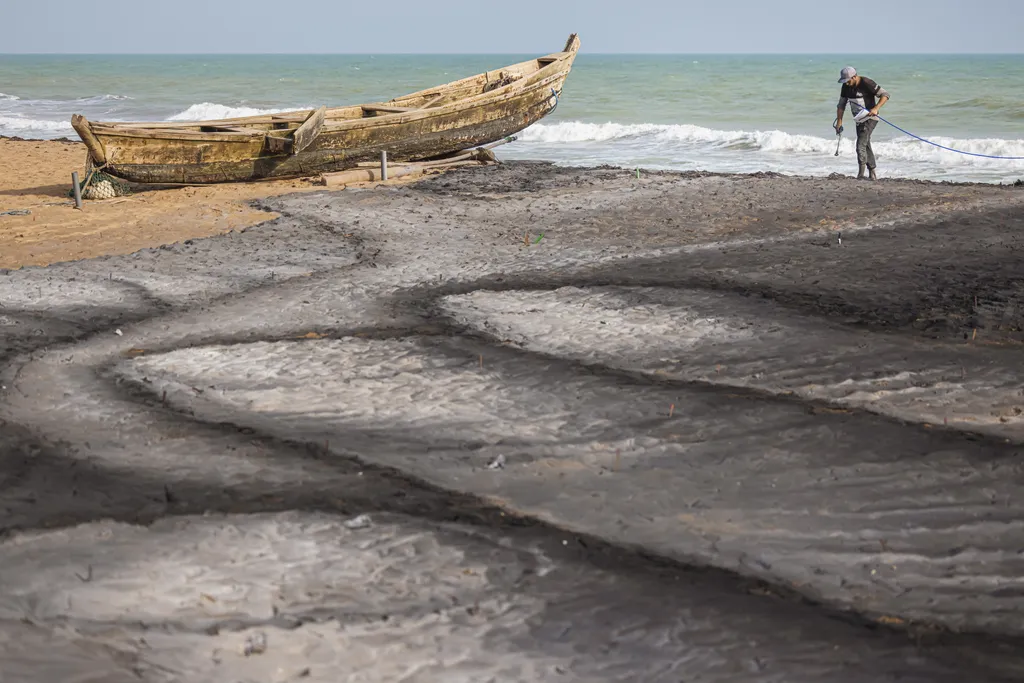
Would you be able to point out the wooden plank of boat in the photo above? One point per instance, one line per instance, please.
(387, 109)
(307, 132)
(276, 144)
(433, 102)
(228, 129)
(279, 142)
(286, 117)
(284, 141)
(163, 134)
(197, 131)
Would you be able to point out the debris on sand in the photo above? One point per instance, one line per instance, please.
(256, 644)
(360, 522)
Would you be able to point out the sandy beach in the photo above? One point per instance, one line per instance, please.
(511, 423)
(35, 175)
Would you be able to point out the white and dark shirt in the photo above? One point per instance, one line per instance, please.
(864, 95)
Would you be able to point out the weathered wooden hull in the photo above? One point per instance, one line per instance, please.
(471, 112)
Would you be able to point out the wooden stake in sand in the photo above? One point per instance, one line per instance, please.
(384, 164)
(78, 190)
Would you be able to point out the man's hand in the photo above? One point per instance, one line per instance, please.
(838, 125)
(874, 112)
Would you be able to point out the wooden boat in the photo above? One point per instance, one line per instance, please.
(423, 125)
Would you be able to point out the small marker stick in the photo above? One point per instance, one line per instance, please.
(78, 190)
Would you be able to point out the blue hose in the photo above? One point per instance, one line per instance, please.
(950, 149)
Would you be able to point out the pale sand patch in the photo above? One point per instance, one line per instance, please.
(723, 339)
(268, 597)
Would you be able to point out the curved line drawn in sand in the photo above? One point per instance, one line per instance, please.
(280, 468)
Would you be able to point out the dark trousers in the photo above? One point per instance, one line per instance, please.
(865, 155)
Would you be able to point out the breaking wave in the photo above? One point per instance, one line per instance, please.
(207, 111)
(51, 118)
(662, 137)
(20, 126)
(51, 103)
(95, 99)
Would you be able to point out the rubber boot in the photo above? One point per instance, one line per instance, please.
(872, 175)
(860, 172)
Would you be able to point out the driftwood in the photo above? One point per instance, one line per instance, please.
(483, 154)
(364, 175)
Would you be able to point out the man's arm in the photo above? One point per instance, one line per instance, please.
(840, 108)
(883, 96)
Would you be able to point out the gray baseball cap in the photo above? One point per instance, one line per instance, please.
(847, 73)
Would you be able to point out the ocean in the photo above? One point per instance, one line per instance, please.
(724, 113)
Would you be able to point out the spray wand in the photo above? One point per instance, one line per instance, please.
(839, 134)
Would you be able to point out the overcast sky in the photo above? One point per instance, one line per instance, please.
(486, 26)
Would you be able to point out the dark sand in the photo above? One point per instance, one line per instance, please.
(687, 434)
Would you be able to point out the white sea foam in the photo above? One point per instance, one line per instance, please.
(104, 98)
(48, 105)
(661, 137)
(50, 118)
(910, 149)
(20, 126)
(208, 111)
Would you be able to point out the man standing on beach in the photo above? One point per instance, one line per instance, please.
(861, 93)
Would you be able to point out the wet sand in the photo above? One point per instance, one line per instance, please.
(527, 423)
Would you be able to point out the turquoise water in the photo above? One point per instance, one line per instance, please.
(710, 112)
